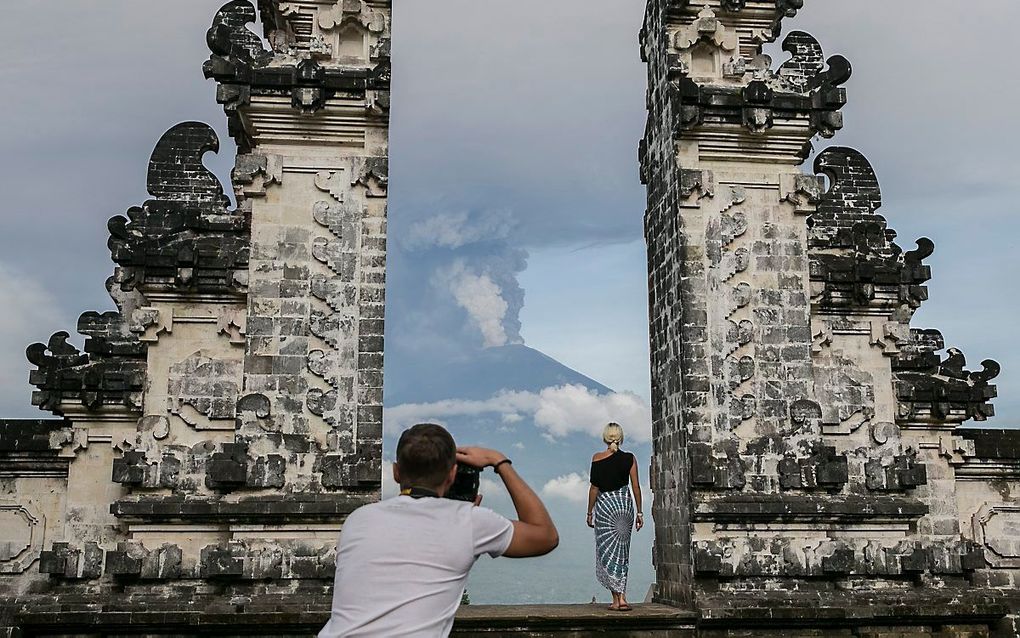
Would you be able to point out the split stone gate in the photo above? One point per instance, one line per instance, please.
(809, 470)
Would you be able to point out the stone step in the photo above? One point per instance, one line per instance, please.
(541, 621)
(283, 616)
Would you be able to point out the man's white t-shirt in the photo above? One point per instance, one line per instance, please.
(402, 565)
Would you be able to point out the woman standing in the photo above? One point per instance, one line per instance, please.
(611, 512)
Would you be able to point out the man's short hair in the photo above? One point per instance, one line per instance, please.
(425, 455)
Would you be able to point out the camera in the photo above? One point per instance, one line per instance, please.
(465, 485)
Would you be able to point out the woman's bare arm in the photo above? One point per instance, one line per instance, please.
(635, 486)
(593, 493)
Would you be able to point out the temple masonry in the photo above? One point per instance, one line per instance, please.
(811, 473)
(810, 470)
(214, 432)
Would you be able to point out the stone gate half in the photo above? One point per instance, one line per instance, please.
(809, 468)
(215, 431)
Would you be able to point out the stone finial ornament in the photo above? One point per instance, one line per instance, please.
(230, 40)
(855, 261)
(184, 240)
(110, 371)
(937, 390)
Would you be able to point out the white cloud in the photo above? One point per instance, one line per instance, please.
(571, 487)
(495, 497)
(490, 488)
(558, 411)
(483, 300)
(404, 416)
(30, 315)
(575, 408)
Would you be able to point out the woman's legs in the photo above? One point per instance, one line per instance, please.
(619, 601)
(616, 601)
(622, 601)
(613, 521)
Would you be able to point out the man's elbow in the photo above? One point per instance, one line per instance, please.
(533, 540)
(552, 540)
(545, 542)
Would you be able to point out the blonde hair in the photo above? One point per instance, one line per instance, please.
(612, 435)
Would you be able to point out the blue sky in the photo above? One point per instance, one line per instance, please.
(515, 206)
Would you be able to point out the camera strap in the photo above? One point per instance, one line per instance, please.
(419, 492)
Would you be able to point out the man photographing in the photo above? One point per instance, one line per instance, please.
(402, 564)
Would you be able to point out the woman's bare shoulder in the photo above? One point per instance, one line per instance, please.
(598, 456)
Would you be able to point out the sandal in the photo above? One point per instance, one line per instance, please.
(625, 607)
(613, 608)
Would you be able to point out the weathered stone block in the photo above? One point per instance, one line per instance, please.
(58, 560)
(130, 468)
(218, 561)
(126, 560)
(228, 469)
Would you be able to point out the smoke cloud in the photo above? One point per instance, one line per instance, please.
(456, 230)
(479, 295)
(469, 264)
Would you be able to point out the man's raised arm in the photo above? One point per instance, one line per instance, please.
(534, 531)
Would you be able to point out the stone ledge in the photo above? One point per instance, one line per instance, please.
(758, 508)
(845, 609)
(230, 613)
(993, 444)
(273, 508)
(304, 615)
(527, 619)
(33, 465)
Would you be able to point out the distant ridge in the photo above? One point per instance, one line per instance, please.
(484, 373)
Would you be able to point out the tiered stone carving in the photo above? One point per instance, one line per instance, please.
(222, 423)
(805, 434)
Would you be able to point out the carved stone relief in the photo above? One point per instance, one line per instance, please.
(204, 391)
(22, 532)
(997, 527)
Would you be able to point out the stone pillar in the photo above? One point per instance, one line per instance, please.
(220, 426)
(733, 395)
(311, 117)
(805, 448)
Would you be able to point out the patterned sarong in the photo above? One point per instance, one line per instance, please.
(614, 520)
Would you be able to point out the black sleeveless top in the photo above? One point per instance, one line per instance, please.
(612, 472)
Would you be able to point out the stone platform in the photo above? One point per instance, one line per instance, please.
(652, 621)
(133, 616)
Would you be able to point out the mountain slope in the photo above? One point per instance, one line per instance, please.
(480, 375)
